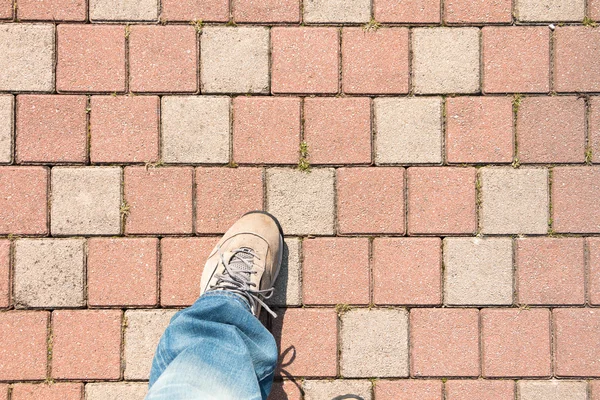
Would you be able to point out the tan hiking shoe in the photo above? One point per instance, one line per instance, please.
(246, 260)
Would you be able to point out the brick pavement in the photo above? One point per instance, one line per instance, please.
(434, 164)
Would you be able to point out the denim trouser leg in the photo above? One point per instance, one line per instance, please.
(215, 349)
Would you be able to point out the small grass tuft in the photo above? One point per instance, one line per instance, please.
(303, 164)
(231, 22)
(516, 163)
(158, 164)
(232, 164)
(372, 25)
(590, 23)
(197, 24)
(589, 153)
(127, 31)
(341, 309)
(516, 102)
(124, 209)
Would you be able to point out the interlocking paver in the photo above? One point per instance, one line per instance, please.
(51, 128)
(288, 286)
(54, 391)
(6, 12)
(577, 55)
(593, 249)
(52, 10)
(549, 10)
(445, 60)
(477, 11)
(27, 57)
(285, 390)
(332, 389)
(49, 273)
(266, 10)
(338, 130)
(550, 271)
(86, 201)
(195, 129)
(122, 271)
(143, 331)
(478, 271)
(335, 271)
(551, 390)
(516, 59)
(336, 11)
(413, 11)
(575, 191)
(23, 200)
(6, 128)
(595, 390)
(115, 391)
(576, 337)
(480, 389)
(24, 355)
(594, 9)
(116, 10)
(594, 128)
(405, 389)
(4, 273)
(192, 10)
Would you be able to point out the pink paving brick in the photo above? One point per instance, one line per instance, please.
(480, 390)
(4, 273)
(335, 271)
(51, 128)
(307, 342)
(370, 200)
(441, 200)
(160, 200)
(338, 130)
(3, 391)
(375, 61)
(266, 10)
(192, 10)
(86, 344)
(286, 390)
(304, 60)
(408, 389)
(576, 59)
(411, 11)
(576, 336)
(240, 188)
(407, 271)
(551, 129)
(6, 11)
(124, 128)
(163, 58)
(594, 127)
(594, 12)
(516, 59)
(593, 250)
(479, 11)
(182, 263)
(23, 200)
(52, 10)
(122, 271)
(24, 355)
(575, 193)
(91, 58)
(550, 271)
(516, 343)
(595, 390)
(53, 391)
(266, 130)
(444, 342)
(479, 130)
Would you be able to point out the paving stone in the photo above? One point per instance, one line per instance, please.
(479, 130)
(215, 186)
(122, 271)
(462, 389)
(51, 128)
(266, 130)
(6, 12)
(409, 130)
(4, 273)
(159, 200)
(86, 201)
(441, 200)
(288, 286)
(54, 391)
(195, 129)
(444, 342)
(516, 59)
(575, 206)
(370, 200)
(266, 10)
(594, 128)
(24, 355)
(99, 50)
(514, 200)
(335, 271)
(235, 60)
(335, 11)
(52, 10)
(192, 10)
(445, 60)
(285, 390)
(374, 343)
(142, 334)
(116, 391)
(27, 57)
(593, 249)
(375, 61)
(481, 11)
(407, 271)
(595, 390)
(163, 58)
(549, 10)
(124, 129)
(408, 389)
(307, 342)
(576, 338)
(550, 271)
(412, 11)
(118, 10)
(478, 271)
(49, 273)
(6, 128)
(304, 60)
(552, 390)
(516, 342)
(336, 389)
(23, 200)
(338, 130)
(303, 202)
(551, 130)
(577, 59)
(594, 11)
(182, 263)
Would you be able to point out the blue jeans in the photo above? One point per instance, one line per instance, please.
(215, 349)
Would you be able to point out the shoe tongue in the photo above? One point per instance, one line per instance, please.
(236, 260)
